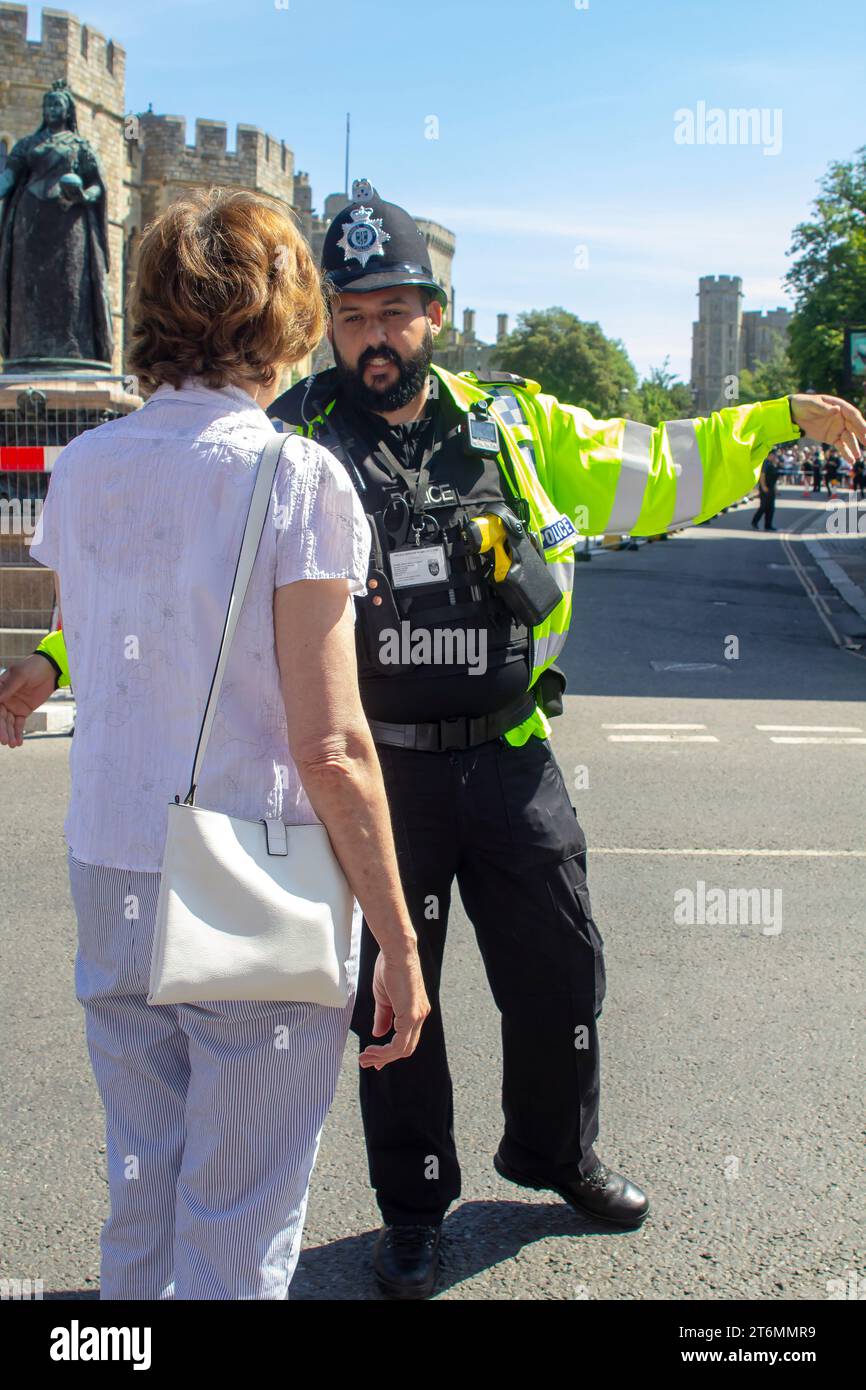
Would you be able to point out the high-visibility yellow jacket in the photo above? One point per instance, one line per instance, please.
(615, 476)
(583, 476)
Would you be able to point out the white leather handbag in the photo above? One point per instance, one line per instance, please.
(248, 909)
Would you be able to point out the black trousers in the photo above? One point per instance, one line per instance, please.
(500, 821)
(766, 508)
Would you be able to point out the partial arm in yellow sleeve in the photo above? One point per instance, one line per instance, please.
(619, 476)
(54, 648)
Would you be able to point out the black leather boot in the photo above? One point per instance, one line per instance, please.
(406, 1260)
(605, 1195)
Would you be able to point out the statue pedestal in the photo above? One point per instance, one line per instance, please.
(65, 391)
(53, 366)
(39, 415)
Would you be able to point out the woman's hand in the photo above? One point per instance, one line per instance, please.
(24, 687)
(401, 1004)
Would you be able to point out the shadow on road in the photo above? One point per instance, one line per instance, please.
(476, 1237)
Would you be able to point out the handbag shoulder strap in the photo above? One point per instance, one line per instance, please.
(253, 527)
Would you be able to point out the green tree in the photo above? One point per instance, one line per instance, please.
(660, 396)
(828, 277)
(573, 360)
(769, 380)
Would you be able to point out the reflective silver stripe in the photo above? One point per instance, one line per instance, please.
(631, 484)
(527, 453)
(549, 647)
(563, 573)
(686, 455)
(513, 419)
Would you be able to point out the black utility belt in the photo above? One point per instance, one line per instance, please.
(460, 733)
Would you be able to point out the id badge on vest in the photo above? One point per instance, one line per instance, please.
(412, 565)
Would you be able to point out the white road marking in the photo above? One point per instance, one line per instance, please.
(657, 726)
(815, 598)
(775, 738)
(687, 666)
(738, 853)
(810, 728)
(662, 738)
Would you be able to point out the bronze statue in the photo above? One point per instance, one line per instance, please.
(55, 312)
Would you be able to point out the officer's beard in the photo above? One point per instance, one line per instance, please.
(410, 383)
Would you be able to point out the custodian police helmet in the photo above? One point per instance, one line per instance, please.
(372, 244)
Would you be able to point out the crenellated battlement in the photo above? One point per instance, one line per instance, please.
(720, 282)
(252, 145)
(85, 55)
(168, 165)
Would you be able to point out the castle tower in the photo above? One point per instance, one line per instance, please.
(716, 341)
(303, 200)
(440, 244)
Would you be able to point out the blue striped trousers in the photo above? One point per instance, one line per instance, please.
(213, 1112)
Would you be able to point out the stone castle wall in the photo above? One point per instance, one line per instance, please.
(168, 167)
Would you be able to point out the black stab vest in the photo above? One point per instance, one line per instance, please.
(465, 602)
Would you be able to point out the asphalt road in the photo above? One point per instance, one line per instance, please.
(732, 1053)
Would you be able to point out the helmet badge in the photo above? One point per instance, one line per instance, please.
(363, 237)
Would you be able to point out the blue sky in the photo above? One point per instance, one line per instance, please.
(556, 130)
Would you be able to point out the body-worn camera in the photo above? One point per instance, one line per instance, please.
(480, 435)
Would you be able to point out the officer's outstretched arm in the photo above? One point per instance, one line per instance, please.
(621, 477)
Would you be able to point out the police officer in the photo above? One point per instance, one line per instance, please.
(477, 491)
(465, 803)
(474, 789)
(767, 493)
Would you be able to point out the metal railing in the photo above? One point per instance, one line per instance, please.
(33, 424)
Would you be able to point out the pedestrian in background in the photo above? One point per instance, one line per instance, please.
(767, 493)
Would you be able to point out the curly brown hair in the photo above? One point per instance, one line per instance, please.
(225, 287)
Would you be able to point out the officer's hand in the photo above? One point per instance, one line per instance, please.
(23, 688)
(832, 421)
(401, 1003)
